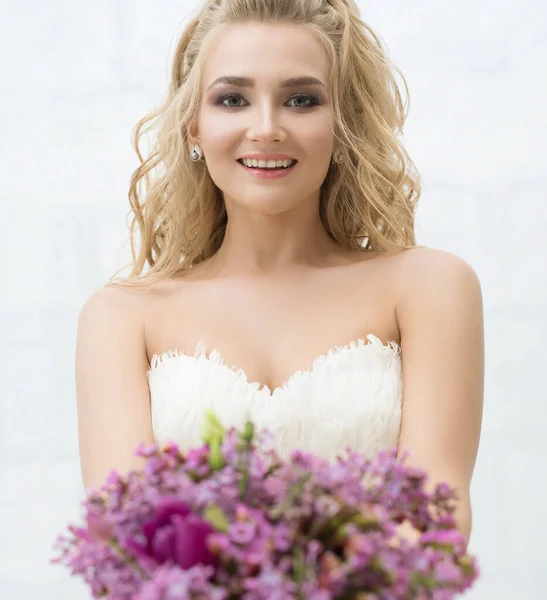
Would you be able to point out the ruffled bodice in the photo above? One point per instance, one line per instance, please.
(350, 396)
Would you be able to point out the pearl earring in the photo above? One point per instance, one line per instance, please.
(338, 157)
(196, 153)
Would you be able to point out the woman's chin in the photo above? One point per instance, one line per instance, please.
(269, 205)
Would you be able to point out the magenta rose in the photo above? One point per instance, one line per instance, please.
(176, 534)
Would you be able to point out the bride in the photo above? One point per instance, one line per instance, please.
(277, 274)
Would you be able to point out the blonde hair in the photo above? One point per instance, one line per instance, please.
(372, 194)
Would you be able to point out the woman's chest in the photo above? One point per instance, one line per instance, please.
(269, 330)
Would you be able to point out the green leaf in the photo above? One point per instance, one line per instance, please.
(299, 570)
(212, 429)
(248, 432)
(217, 517)
(216, 458)
(243, 482)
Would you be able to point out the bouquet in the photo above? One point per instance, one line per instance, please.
(232, 520)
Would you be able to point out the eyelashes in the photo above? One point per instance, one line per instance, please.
(311, 100)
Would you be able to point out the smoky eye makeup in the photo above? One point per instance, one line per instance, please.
(237, 100)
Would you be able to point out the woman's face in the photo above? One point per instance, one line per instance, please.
(249, 106)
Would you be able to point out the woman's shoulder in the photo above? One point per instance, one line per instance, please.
(409, 260)
(137, 301)
(135, 294)
(424, 275)
(113, 302)
(420, 264)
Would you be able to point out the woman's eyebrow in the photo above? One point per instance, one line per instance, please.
(248, 82)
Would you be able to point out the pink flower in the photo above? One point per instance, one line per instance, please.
(263, 526)
(445, 537)
(98, 528)
(176, 534)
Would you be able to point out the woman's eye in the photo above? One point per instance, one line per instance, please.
(222, 100)
(311, 99)
(302, 101)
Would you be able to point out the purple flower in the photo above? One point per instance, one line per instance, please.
(171, 582)
(175, 534)
(308, 528)
(282, 537)
(443, 537)
(242, 533)
(270, 583)
(447, 571)
(98, 528)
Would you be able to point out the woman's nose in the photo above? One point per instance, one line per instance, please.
(267, 125)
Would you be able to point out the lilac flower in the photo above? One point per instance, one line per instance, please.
(271, 583)
(257, 527)
(447, 571)
(172, 583)
(443, 537)
(98, 528)
(242, 533)
(282, 537)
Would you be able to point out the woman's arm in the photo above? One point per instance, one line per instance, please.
(111, 385)
(440, 317)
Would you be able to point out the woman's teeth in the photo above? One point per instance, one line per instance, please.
(267, 164)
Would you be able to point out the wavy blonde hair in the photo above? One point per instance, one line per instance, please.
(367, 202)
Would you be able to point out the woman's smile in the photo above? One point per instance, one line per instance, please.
(270, 169)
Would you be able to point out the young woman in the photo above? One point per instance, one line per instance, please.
(276, 219)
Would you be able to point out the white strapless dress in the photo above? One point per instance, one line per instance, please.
(349, 397)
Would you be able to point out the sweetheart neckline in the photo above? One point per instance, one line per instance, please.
(214, 357)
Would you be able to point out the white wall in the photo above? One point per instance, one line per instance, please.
(76, 78)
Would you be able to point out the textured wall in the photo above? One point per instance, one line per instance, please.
(76, 78)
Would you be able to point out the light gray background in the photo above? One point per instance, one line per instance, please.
(78, 75)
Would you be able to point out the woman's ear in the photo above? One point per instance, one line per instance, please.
(192, 134)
